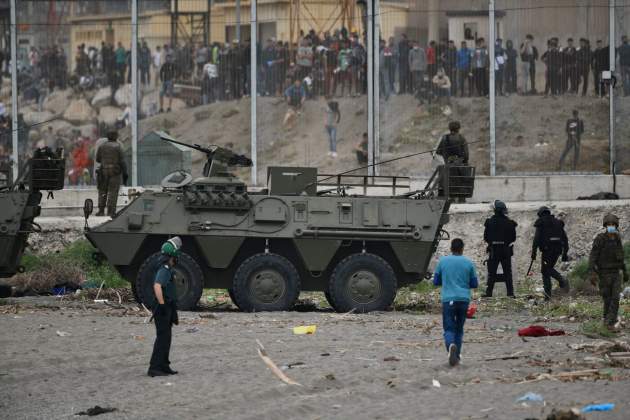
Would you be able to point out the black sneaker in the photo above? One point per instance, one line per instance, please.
(453, 358)
(154, 372)
(170, 371)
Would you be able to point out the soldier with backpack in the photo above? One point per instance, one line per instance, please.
(551, 239)
(453, 147)
(605, 263)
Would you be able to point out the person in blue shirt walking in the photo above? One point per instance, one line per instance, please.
(456, 274)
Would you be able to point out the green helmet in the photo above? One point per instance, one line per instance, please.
(611, 219)
(172, 247)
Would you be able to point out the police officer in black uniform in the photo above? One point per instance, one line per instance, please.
(165, 313)
(500, 234)
(552, 241)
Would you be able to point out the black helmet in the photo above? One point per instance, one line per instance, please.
(543, 210)
(500, 207)
(611, 219)
(454, 126)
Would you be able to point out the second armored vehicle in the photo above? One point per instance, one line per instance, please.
(304, 232)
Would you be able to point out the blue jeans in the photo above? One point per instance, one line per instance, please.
(332, 137)
(453, 319)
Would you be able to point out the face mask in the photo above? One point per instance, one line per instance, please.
(611, 229)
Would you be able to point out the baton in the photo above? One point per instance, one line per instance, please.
(529, 270)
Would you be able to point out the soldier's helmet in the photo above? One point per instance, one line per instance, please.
(611, 219)
(172, 247)
(543, 210)
(454, 126)
(500, 207)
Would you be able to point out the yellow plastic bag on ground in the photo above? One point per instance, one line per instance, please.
(304, 329)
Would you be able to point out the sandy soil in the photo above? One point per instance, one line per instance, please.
(342, 368)
(522, 122)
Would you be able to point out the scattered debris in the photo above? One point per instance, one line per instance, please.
(192, 330)
(391, 359)
(96, 410)
(436, 383)
(325, 354)
(513, 356)
(564, 376)
(305, 329)
(293, 365)
(598, 407)
(63, 334)
(472, 309)
(330, 377)
(538, 331)
(207, 315)
(139, 337)
(531, 397)
(271, 365)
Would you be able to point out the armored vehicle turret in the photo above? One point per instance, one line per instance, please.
(19, 204)
(357, 238)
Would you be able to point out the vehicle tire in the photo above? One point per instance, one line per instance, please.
(188, 280)
(231, 293)
(329, 299)
(362, 282)
(266, 282)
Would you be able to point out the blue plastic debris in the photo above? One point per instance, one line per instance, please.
(530, 396)
(598, 407)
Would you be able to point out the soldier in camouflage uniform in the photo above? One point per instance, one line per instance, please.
(111, 172)
(606, 261)
(453, 146)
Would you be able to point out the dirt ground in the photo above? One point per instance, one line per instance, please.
(405, 128)
(376, 366)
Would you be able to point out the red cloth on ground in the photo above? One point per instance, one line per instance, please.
(472, 309)
(538, 331)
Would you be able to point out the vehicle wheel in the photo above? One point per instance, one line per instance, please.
(266, 282)
(231, 293)
(188, 280)
(363, 282)
(329, 299)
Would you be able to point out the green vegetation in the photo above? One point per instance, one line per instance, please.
(75, 261)
(580, 278)
(596, 329)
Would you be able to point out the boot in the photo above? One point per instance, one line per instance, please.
(101, 212)
(154, 372)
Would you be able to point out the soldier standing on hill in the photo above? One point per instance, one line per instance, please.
(605, 262)
(500, 234)
(453, 147)
(112, 166)
(552, 241)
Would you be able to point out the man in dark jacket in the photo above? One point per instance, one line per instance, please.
(584, 58)
(404, 77)
(500, 234)
(601, 62)
(551, 239)
(574, 129)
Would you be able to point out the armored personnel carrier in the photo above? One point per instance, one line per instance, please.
(19, 204)
(303, 232)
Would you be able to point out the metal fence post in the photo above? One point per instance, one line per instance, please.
(14, 91)
(370, 69)
(492, 64)
(376, 42)
(253, 91)
(134, 89)
(612, 42)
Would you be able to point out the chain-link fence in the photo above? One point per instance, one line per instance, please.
(319, 92)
